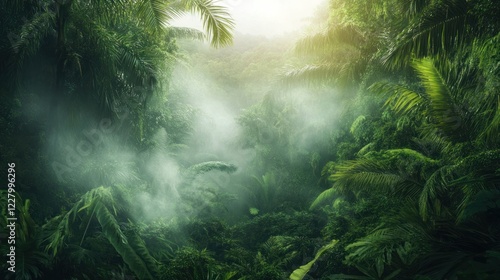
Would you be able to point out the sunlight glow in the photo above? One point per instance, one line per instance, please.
(262, 17)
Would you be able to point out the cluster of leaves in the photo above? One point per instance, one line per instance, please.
(441, 169)
(412, 164)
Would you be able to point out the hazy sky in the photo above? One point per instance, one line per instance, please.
(263, 17)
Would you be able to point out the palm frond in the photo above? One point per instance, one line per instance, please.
(435, 186)
(402, 171)
(440, 27)
(415, 7)
(112, 232)
(31, 35)
(442, 107)
(364, 174)
(402, 100)
(156, 13)
(492, 131)
(100, 203)
(217, 22)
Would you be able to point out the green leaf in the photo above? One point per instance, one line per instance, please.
(323, 197)
(253, 211)
(301, 272)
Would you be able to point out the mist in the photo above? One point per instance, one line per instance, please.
(281, 140)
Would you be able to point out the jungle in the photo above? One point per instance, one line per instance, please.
(363, 145)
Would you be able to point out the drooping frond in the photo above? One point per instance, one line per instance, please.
(402, 171)
(323, 197)
(492, 132)
(466, 178)
(139, 246)
(156, 13)
(112, 232)
(401, 238)
(99, 203)
(441, 27)
(442, 107)
(217, 22)
(364, 174)
(402, 99)
(415, 7)
(136, 63)
(27, 42)
(302, 271)
(435, 186)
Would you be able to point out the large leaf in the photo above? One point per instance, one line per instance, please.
(301, 272)
(326, 195)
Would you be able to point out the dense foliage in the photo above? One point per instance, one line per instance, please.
(367, 149)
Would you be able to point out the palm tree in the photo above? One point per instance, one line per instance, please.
(111, 45)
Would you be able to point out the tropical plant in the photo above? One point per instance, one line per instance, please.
(301, 272)
(100, 204)
(111, 46)
(438, 28)
(30, 259)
